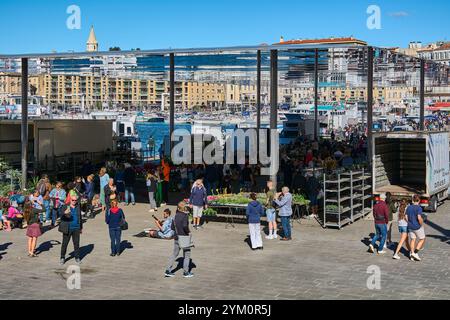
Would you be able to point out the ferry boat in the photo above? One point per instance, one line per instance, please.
(11, 107)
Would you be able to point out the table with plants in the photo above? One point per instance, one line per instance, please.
(235, 204)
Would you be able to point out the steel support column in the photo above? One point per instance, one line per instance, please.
(274, 103)
(172, 99)
(24, 131)
(422, 95)
(258, 95)
(316, 94)
(370, 54)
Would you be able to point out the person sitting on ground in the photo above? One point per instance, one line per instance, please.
(164, 227)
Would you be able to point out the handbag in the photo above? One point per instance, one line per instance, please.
(123, 224)
(63, 227)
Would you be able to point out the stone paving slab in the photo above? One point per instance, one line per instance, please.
(317, 264)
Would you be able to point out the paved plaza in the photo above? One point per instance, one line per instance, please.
(317, 264)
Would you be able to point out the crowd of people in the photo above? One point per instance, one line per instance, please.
(66, 204)
(410, 222)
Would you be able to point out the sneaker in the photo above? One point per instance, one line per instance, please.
(188, 275)
(416, 257)
(396, 257)
(151, 210)
(371, 248)
(381, 252)
(269, 237)
(62, 261)
(275, 236)
(78, 260)
(112, 255)
(169, 274)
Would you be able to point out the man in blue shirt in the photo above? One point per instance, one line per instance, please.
(71, 226)
(164, 228)
(415, 228)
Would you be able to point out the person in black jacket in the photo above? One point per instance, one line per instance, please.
(180, 225)
(71, 226)
(129, 178)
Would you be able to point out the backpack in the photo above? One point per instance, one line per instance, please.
(42, 188)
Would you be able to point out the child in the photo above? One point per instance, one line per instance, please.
(34, 228)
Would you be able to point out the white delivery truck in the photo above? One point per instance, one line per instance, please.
(408, 163)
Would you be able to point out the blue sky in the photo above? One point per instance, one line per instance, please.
(29, 26)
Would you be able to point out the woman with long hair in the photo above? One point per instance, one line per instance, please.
(31, 216)
(402, 228)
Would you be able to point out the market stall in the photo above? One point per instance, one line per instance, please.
(235, 205)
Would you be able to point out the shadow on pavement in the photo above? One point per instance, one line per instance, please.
(84, 251)
(125, 245)
(46, 246)
(180, 261)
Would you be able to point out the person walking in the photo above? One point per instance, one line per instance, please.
(152, 184)
(129, 178)
(284, 202)
(271, 212)
(180, 226)
(254, 212)
(33, 227)
(392, 210)
(416, 229)
(198, 201)
(58, 196)
(71, 226)
(89, 194)
(104, 179)
(114, 218)
(381, 217)
(402, 229)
